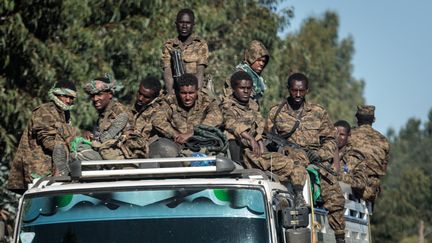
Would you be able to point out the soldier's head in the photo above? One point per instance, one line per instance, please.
(298, 87)
(257, 56)
(365, 114)
(101, 91)
(148, 90)
(63, 94)
(186, 89)
(185, 22)
(343, 132)
(241, 84)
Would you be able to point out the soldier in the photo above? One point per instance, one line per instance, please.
(147, 102)
(244, 127)
(113, 137)
(255, 60)
(194, 50)
(374, 146)
(309, 126)
(180, 113)
(349, 162)
(43, 148)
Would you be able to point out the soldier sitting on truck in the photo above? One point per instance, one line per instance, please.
(244, 126)
(43, 148)
(308, 126)
(180, 113)
(348, 161)
(113, 136)
(148, 101)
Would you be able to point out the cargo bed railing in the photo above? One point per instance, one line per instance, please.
(217, 165)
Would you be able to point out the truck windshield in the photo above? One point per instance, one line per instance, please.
(163, 215)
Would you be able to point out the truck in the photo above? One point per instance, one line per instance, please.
(219, 202)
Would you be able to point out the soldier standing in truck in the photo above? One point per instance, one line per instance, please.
(255, 59)
(193, 49)
(374, 146)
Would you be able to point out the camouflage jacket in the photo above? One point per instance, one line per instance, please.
(352, 169)
(128, 143)
(253, 52)
(374, 146)
(194, 52)
(48, 126)
(240, 118)
(106, 118)
(142, 119)
(172, 119)
(315, 130)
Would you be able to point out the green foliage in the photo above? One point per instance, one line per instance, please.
(406, 195)
(316, 51)
(42, 41)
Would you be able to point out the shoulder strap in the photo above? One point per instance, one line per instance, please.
(281, 105)
(296, 124)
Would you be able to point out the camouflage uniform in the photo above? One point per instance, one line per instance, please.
(240, 118)
(352, 168)
(121, 146)
(376, 149)
(142, 119)
(194, 52)
(49, 125)
(255, 50)
(315, 132)
(172, 119)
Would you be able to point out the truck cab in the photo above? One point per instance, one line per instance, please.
(215, 203)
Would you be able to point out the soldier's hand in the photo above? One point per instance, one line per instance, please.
(182, 138)
(88, 135)
(256, 150)
(255, 147)
(262, 146)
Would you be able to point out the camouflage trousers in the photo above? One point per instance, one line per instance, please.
(334, 202)
(285, 167)
(331, 193)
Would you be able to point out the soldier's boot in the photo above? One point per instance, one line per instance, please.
(116, 127)
(299, 200)
(60, 159)
(340, 238)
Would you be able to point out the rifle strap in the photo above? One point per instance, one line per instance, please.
(281, 105)
(296, 124)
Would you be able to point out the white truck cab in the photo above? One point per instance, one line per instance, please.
(216, 203)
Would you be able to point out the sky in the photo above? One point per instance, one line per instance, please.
(393, 52)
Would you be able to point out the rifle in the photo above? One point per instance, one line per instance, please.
(177, 63)
(281, 142)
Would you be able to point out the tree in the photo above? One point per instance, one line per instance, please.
(43, 41)
(316, 51)
(406, 189)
